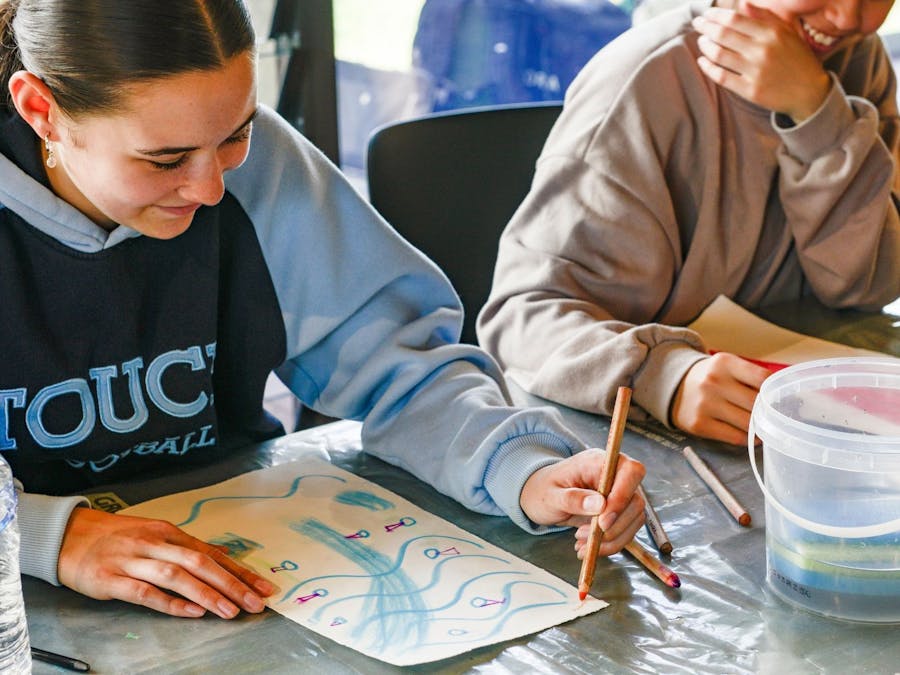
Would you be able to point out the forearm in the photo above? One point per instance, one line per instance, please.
(581, 361)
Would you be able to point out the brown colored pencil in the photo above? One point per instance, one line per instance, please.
(653, 564)
(654, 525)
(719, 490)
(613, 441)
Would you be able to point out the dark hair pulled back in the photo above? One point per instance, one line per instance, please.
(89, 51)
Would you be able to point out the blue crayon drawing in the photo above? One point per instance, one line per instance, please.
(367, 568)
(364, 499)
(395, 612)
(238, 547)
(390, 590)
(195, 510)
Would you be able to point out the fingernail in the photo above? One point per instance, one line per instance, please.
(227, 609)
(593, 503)
(606, 520)
(253, 603)
(195, 610)
(264, 586)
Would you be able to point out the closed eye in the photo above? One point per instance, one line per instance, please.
(241, 136)
(168, 166)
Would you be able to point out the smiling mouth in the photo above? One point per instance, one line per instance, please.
(817, 39)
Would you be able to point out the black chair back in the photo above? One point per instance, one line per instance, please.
(450, 182)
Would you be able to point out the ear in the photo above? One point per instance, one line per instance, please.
(34, 102)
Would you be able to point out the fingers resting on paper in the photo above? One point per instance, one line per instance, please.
(715, 398)
(565, 493)
(154, 564)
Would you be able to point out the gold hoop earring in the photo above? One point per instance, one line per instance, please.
(51, 156)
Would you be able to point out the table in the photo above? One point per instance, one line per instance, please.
(722, 620)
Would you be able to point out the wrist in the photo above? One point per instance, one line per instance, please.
(808, 108)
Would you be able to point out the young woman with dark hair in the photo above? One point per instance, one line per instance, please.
(156, 266)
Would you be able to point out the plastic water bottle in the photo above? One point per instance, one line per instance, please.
(15, 650)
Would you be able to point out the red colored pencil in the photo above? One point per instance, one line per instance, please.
(774, 366)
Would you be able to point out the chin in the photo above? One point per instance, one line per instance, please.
(164, 230)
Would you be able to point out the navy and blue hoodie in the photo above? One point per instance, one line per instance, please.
(124, 356)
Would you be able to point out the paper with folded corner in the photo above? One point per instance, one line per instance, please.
(725, 326)
(368, 569)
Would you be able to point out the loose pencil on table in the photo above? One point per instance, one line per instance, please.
(655, 526)
(653, 564)
(719, 490)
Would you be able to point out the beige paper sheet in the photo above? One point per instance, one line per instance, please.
(367, 568)
(728, 327)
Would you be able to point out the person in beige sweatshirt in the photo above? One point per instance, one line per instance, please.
(736, 149)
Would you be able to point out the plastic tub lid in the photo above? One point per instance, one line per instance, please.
(842, 413)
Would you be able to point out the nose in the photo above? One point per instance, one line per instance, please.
(205, 184)
(844, 14)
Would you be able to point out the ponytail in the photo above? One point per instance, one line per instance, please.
(9, 50)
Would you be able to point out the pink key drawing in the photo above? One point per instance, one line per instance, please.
(318, 593)
(405, 521)
(435, 553)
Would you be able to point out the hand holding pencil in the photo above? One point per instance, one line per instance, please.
(596, 533)
(565, 493)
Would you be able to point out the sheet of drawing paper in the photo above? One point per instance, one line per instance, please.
(368, 569)
(728, 327)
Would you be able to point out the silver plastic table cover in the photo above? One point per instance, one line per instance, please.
(722, 620)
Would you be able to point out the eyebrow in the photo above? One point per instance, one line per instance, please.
(176, 151)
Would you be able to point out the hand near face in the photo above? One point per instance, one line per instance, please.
(565, 493)
(763, 59)
(154, 564)
(715, 398)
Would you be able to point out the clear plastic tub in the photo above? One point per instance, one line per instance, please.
(831, 450)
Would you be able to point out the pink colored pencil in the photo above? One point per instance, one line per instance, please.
(653, 564)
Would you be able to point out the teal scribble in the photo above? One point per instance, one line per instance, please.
(237, 545)
(503, 613)
(364, 499)
(435, 579)
(514, 610)
(195, 510)
(391, 590)
(456, 600)
(401, 554)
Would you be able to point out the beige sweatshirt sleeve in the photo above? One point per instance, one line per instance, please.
(589, 260)
(839, 185)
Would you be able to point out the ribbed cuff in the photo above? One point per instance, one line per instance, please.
(821, 131)
(656, 383)
(512, 465)
(42, 524)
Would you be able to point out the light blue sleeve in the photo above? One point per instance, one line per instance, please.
(372, 329)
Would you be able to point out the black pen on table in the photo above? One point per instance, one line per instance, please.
(66, 662)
